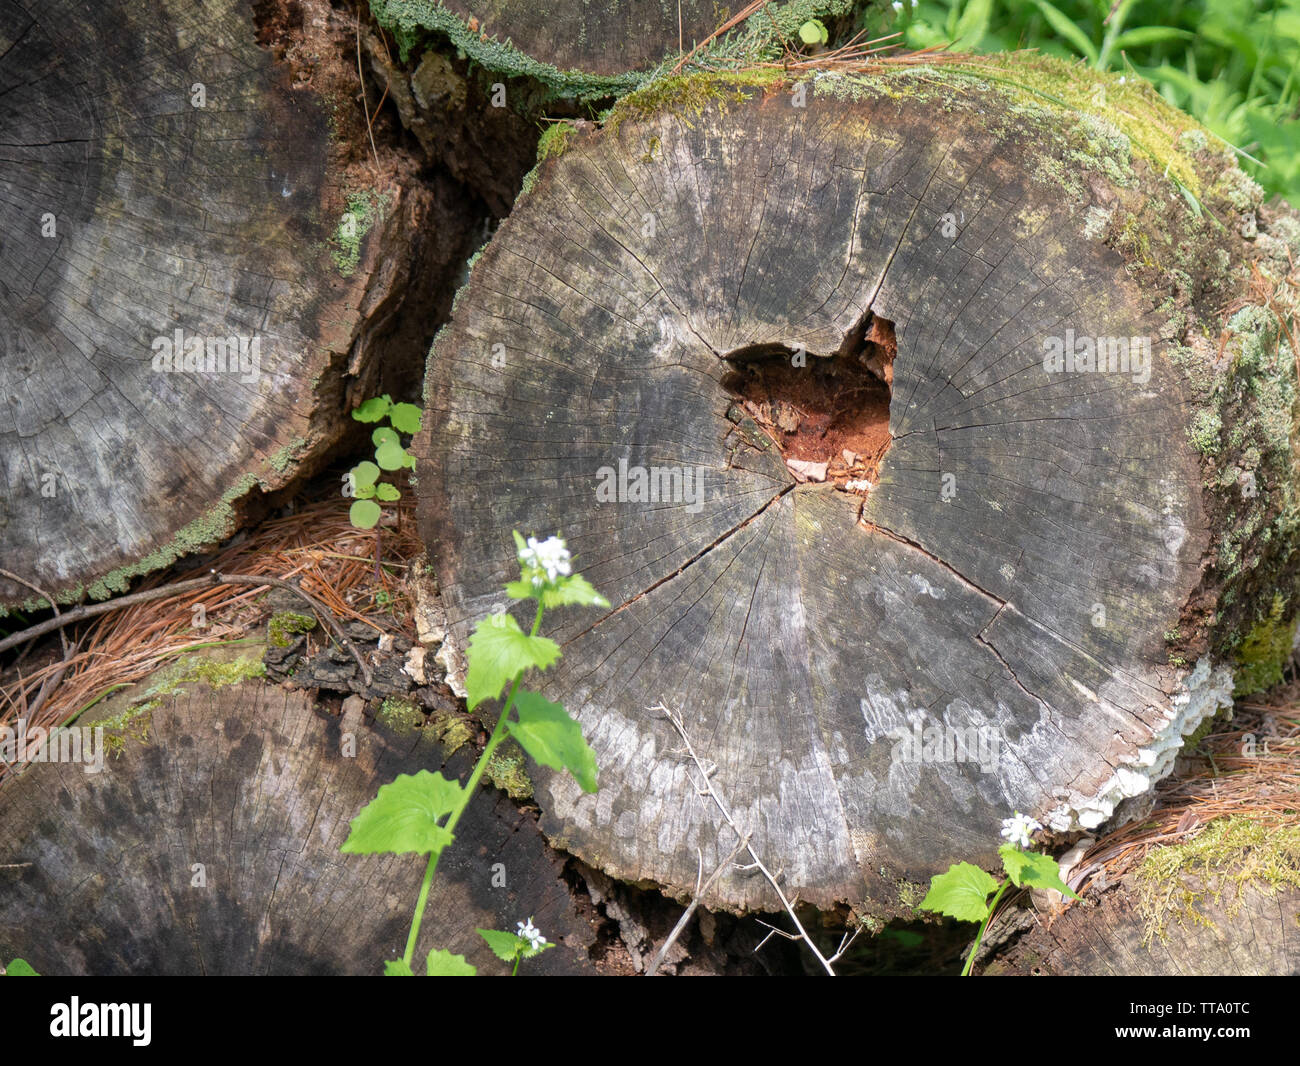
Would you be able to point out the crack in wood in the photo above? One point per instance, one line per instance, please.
(681, 569)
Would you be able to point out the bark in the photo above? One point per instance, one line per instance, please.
(1256, 933)
(163, 173)
(252, 781)
(1038, 557)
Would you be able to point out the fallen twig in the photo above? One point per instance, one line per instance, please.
(79, 614)
(757, 864)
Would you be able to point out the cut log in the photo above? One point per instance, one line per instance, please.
(579, 49)
(1201, 920)
(184, 270)
(1021, 597)
(209, 844)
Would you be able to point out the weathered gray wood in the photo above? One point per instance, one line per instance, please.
(160, 173)
(251, 781)
(795, 626)
(1254, 935)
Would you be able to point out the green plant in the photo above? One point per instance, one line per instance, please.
(419, 812)
(1234, 65)
(390, 456)
(962, 892)
(814, 32)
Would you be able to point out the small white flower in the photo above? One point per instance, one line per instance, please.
(528, 931)
(897, 5)
(547, 559)
(1017, 829)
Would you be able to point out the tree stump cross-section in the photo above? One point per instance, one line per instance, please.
(885, 658)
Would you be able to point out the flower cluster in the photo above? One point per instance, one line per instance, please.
(528, 931)
(544, 561)
(1018, 828)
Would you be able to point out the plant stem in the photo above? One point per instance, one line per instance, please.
(970, 959)
(498, 735)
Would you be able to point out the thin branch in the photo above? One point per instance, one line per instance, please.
(94, 610)
(757, 864)
(700, 893)
(362, 78)
(48, 599)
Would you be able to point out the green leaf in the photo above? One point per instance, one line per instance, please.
(570, 590)
(445, 964)
(1062, 24)
(552, 738)
(384, 435)
(390, 455)
(973, 24)
(814, 32)
(499, 651)
(20, 968)
(409, 461)
(404, 816)
(962, 893)
(1145, 35)
(364, 474)
(405, 417)
(397, 968)
(364, 513)
(567, 591)
(388, 493)
(505, 946)
(1033, 869)
(373, 409)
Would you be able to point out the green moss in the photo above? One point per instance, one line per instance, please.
(452, 731)
(288, 455)
(214, 526)
(401, 716)
(133, 720)
(133, 723)
(689, 95)
(1216, 865)
(759, 38)
(1206, 429)
(552, 144)
(508, 770)
(363, 210)
(284, 626)
(910, 893)
(554, 140)
(1265, 651)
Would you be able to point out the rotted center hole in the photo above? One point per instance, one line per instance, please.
(828, 415)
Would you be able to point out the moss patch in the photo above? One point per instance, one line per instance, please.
(399, 715)
(363, 210)
(1265, 651)
(508, 770)
(1215, 867)
(284, 626)
(216, 668)
(452, 730)
(759, 38)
